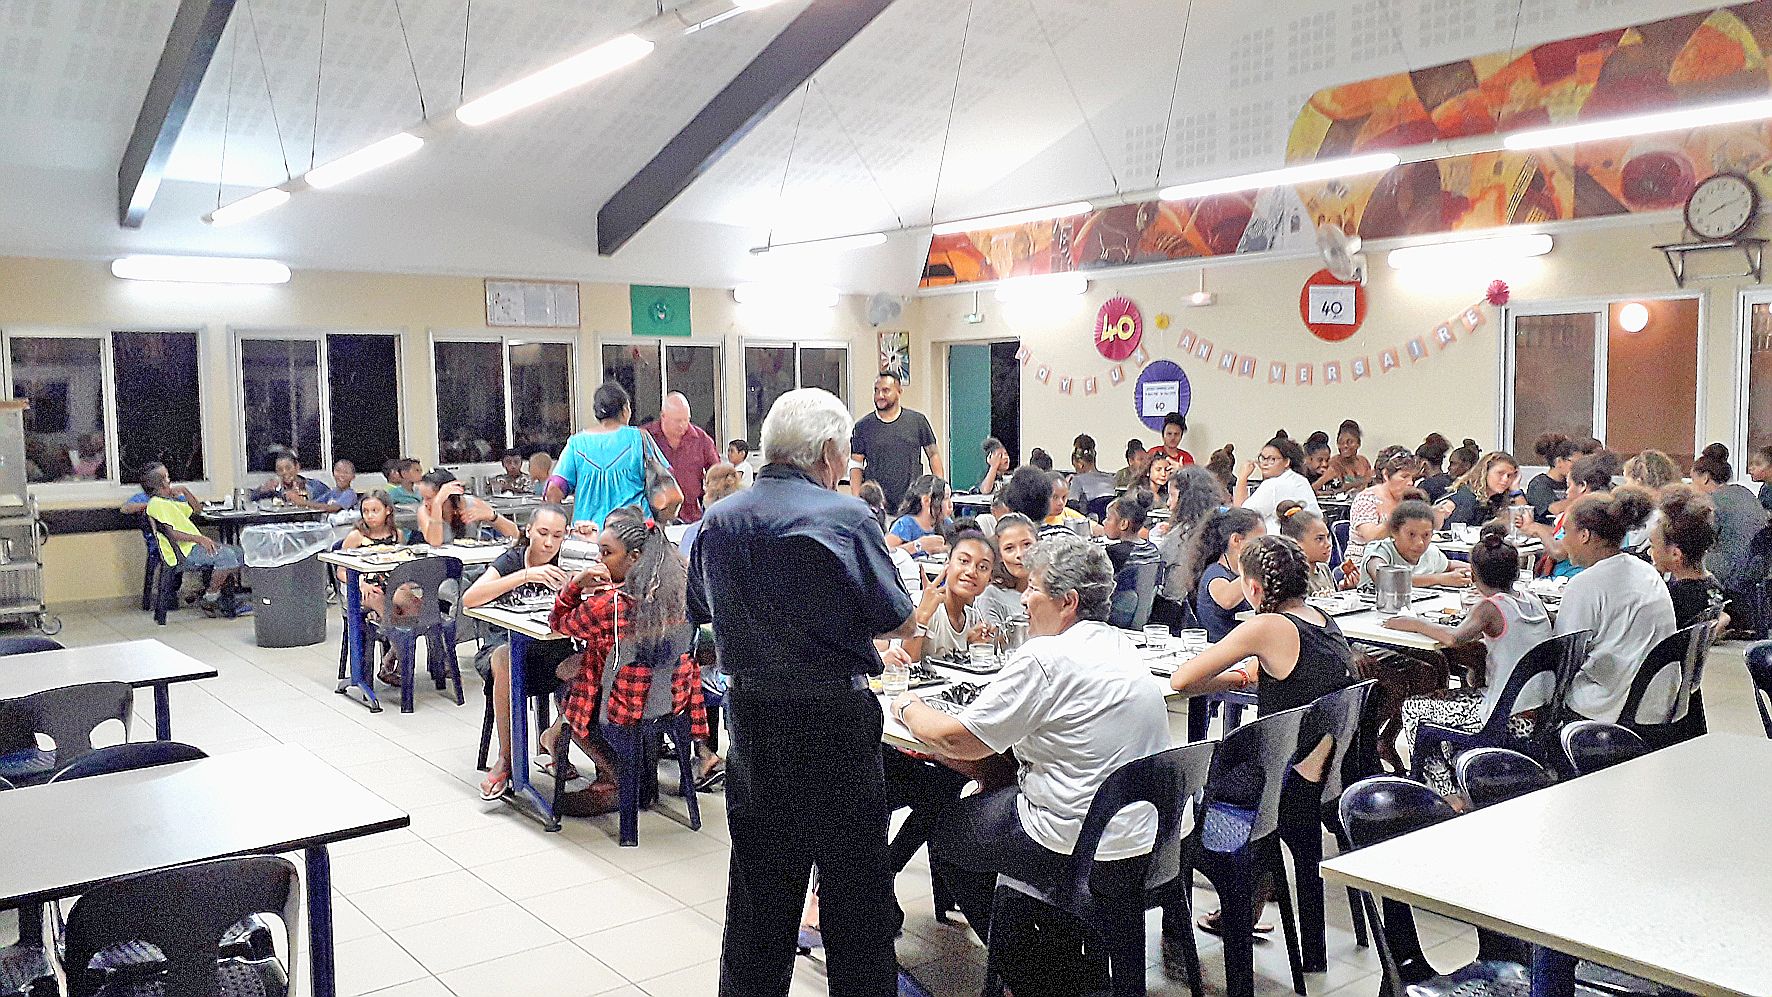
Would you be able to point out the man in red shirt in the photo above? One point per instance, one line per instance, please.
(1174, 424)
(688, 448)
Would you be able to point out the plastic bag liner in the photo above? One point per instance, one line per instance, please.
(272, 546)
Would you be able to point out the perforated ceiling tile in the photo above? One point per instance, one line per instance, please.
(1373, 31)
(1446, 22)
(1252, 131)
(1252, 59)
(1194, 142)
(1310, 44)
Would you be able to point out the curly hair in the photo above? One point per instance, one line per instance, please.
(1394, 460)
(1610, 518)
(1291, 452)
(1494, 560)
(1713, 463)
(1212, 538)
(1279, 564)
(1688, 523)
(1652, 469)
(1295, 518)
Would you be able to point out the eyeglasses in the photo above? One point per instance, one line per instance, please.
(1270, 458)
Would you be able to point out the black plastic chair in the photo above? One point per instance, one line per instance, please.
(1114, 918)
(1683, 720)
(1236, 841)
(1759, 670)
(27, 645)
(637, 766)
(1590, 745)
(67, 716)
(170, 575)
(150, 565)
(429, 621)
(1097, 507)
(1307, 808)
(1136, 593)
(182, 913)
(23, 961)
(1559, 657)
(1487, 776)
(129, 757)
(1385, 807)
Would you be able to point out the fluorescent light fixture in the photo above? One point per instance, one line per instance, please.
(562, 76)
(1634, 317)
(370, 157)
(201, 269)
(806, 296)
(1471, 252)
(1009, 218)
(1680, 120)
(1058, 285)
(1285, 176)
(250, 206)
(753, 4)
(839, 244)
(716, 19)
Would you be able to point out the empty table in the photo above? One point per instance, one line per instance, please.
(62, 839)
(141, 663)
(1654, 867)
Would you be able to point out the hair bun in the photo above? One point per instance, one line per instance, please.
(1716, 450)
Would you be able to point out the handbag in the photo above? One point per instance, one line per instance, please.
(662, 491)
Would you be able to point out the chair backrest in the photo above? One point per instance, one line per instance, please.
(1133, 603)
(1591, 745)
(128, 757)
(1166, 780)
(1685, 650)
(1263, 750)
(1561, 657)
(67, 715)
(426, 575)
(1759, 555)
(1098, 507)
(658, 653)
(27, 645)
(1759, 670)
(1338, 531)
(182, 911)
(1488, 776)
(1379, 809)
(1338, 715)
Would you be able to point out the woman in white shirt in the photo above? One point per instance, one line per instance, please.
(1282, 478)
(1619, 598)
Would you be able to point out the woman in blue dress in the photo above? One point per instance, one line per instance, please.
(603, 468)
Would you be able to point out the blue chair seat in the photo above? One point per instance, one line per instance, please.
(1226, 828)
(29, 765)
(19, 965)
(1478, 979)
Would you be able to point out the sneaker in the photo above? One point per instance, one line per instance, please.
(210, 607)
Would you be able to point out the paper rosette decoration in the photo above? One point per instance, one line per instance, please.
(1118, 328)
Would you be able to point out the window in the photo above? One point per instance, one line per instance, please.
(159, 405)
(771, 371)
(1757, 369)
(494, 393)
(363, 399)
(693, 369)
(280, 391)
(64, 379)
(282, 406)
(1554, 372)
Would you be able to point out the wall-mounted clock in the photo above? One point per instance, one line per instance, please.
(1722, 207)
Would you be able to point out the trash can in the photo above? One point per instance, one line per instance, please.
(288, 582)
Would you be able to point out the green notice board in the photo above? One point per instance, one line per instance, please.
(659, 311)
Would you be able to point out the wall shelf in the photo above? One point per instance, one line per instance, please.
(1752, 250)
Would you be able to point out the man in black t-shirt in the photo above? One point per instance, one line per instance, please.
(889, 444)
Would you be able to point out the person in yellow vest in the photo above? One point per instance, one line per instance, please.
(170, 512)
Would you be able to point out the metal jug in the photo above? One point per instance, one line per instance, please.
(1011, 635)
(1393, 588)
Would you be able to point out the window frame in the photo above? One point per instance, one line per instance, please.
(505, 340)
(1745, 300)
(664, 342)
(317, 334)
(111, 487)
(798, 345)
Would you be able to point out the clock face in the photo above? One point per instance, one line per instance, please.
(1721, 207)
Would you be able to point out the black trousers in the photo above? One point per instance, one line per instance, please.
(804, 788)
(976, 838)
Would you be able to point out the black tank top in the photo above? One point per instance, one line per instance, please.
(1324, 665)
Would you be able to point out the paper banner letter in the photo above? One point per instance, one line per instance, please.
(1227, 362)
(1389, 361)
(1359, 367)
(1139, 356)
(1306, 375)
(1187, 340)
(1024, 355)
(1064, 385)
(1043, 373)
(1203, 349)
(1472, 318)
(1089, 385)
(1116, 375)
(1444, 336)
(1276, 373)
(1417, 348)
(1246, 367)
(1332, 372)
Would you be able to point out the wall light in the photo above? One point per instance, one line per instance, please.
(1471, 252)
(201, 269)
(1058, 285)
(1634, 317)
(786, 296)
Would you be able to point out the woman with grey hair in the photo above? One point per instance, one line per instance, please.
(1076, 703)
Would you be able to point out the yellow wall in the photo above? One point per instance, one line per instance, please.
(63, 294)
(1456, 392)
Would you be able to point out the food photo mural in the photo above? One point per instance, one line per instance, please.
(1692, 60)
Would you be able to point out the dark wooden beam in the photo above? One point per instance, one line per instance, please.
(190, 45)
(787, 62)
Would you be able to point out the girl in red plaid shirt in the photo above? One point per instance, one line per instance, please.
(636, 592)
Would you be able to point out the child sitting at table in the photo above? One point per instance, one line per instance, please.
(1411, 545)
(1307, 529)
(375, 528)
(949, 617)
(1509, 623)
(1684, 533)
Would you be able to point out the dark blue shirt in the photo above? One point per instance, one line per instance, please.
(796, 580)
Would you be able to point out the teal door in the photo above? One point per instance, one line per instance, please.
(969, 411)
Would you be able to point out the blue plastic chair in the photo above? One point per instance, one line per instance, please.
(23, 961)
(1097, 507)
(1114, 918)
(637, 775)
(1759, 671)
(1560, 657)
(150, 565)
(1487, 776)
(27, 645)
(428, 621)
(68, 716)
(170, 575)
(1135, 592)
(1590, 745)
(1339, 533)
(1236, 841)
(1683, 720)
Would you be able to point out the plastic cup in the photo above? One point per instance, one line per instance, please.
(1156, 636)
(983, 655)
(1194, 639)
(895, 680)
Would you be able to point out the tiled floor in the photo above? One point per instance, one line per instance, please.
(476, 901)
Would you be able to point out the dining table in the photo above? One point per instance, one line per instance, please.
(142, 664)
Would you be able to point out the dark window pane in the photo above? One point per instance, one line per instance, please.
(768, 374)
(634, 366)
(280, 385)
(363, 384)
(159, 413)
(1759, 376)
(64, 381)
(825, 367)
(1553, 377)
(470, 401)
(695, 371)
(541, 395)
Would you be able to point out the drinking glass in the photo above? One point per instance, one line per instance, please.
(896, 680)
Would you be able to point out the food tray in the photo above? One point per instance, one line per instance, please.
(965, 664)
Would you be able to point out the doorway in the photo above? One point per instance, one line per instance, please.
(984, 399)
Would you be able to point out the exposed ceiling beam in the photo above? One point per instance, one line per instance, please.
(787, 62)
(190, 45)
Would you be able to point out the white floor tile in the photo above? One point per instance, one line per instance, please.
(608, 903)
(545, 872)
(373, 963)
(475, 937)
(402, 863)
(559, 970)
(656, 946)
(429, 899)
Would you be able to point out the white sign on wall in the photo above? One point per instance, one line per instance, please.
(1333, 304)
(1161, 398)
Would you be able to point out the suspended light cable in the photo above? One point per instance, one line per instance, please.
(953, 104)
(1187, 20)
(1075, 99)
(270, 98)
(406, 39)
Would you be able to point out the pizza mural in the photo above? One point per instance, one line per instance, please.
(1696, 59)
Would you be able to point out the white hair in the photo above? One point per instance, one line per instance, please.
(800, 423)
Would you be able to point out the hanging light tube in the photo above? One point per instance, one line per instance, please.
(1682, 119)
(1471, 252)
(1285, 176)
(835, 244)
(371, 157)
(567, 74)
(200, 269)
(1008, 218)
(250, 206)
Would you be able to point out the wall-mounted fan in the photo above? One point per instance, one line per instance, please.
(1341, 253)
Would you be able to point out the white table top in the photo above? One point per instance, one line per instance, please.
(267, 512)
(61, 839)
(528, 624)
(1369, 625)
(138, 662)
(1655, 867)
(378, 559)
(1529, 545)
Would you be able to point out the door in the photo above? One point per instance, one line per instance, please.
(969, 411)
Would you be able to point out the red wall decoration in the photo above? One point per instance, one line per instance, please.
(1118, 328)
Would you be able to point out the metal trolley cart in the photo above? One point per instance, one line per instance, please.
(22, 531)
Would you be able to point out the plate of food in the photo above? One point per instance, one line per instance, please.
(956, 697)
(963, 663)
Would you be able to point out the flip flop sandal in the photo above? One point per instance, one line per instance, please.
(1211, 925)
(712, 780)
(499, 788)
(545, 764)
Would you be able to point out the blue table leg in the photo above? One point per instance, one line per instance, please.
(162, 712)
(359, 679)
(522, 792)
(320, 921)
(1553, 973)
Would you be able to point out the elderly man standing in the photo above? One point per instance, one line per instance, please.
(796, 579)
(687, 448)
